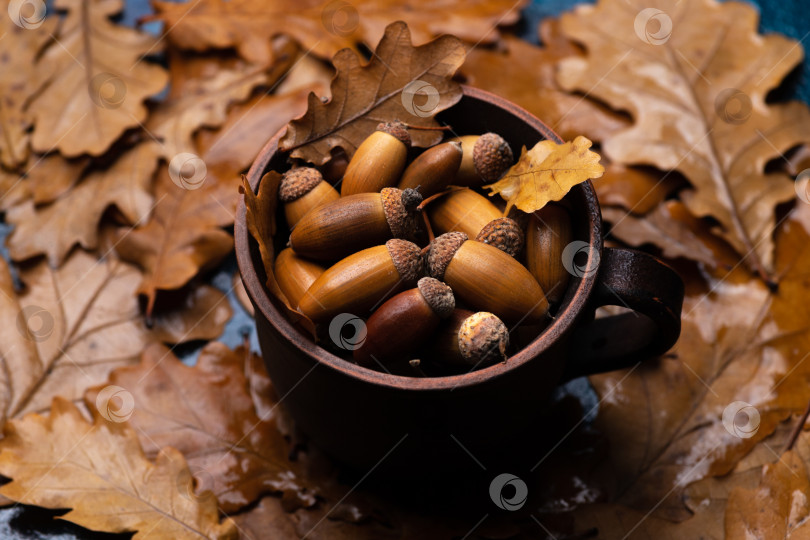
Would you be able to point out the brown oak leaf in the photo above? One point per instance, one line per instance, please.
(326, 26)
(99, 471)
(525, 74)
(98, 79)
(66, 330)
(185, 233)
(399, 77)
(73, 218)
(20, 77)
(208, 413)
(695, 77)
(740, 343)
(200, 313)
(202, 88)
(675, 230)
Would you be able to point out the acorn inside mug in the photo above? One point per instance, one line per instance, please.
(364, 417)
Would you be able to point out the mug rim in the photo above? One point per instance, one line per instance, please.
(564, 322)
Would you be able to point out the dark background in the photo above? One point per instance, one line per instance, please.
(791, 18)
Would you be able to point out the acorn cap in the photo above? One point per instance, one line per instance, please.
(503, 233)
(407, 258)
(492, 156)
(296, 183)
(396, 129)
(441, 252)
(483, 337)
(438, 295)
(404, 223)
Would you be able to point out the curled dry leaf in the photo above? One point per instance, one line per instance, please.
(201, 313)
(73, 218)
(392, 86)
(260, 216)
(525, 74)
(66, 330)
(98, 79)
(99, 471)
(323, 26)
(546, 173)
(696, 88)
(740, 342)
(45, 179)
(208, 413)
(20, 77)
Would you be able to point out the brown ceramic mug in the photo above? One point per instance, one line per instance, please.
(365, 418)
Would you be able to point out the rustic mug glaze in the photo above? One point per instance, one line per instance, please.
(366, 418)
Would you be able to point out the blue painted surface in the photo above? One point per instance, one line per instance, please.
(791, 18)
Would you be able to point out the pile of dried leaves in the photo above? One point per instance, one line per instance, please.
(121, 155)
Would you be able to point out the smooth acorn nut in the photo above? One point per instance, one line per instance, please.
(362, 280)
(337, 229)
(461, 210)
(548, 233)
(433, 170)
(470, 340)
(378, 161)
(486, 278)
(405, 322)
(485, 158)
(294, 275)
(303, 189)
(503, 233)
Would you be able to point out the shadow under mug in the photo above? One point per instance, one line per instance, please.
(368, 419)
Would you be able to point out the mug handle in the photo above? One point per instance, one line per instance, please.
(643, 283)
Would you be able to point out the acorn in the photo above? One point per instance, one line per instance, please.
(378, 161)
(349, 224)
(470, 340)
(503, 233)
(467, 211)
(486, 278)
(548, 233)
(294, 275)
(461, 210)
(485, 158)
(405, 322)
(433, 170)
(303, 189)
(361, 281)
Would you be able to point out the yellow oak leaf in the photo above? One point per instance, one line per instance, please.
(546, 173)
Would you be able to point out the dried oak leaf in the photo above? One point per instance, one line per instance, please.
(695, 77)
(546, 173)
(740, 342)
(20, 78)
(66, 330)
(675, 230)
(98, 80)
(525, 74)
(399, 76)
(260, 217)
(208, 413)
(324, 26)
(99, 471)
(45, 179)
(74, 216)
(185, 233)
(200, 313)
(638, 190)
(202, 90)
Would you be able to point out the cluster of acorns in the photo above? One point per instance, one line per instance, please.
(371, 232)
